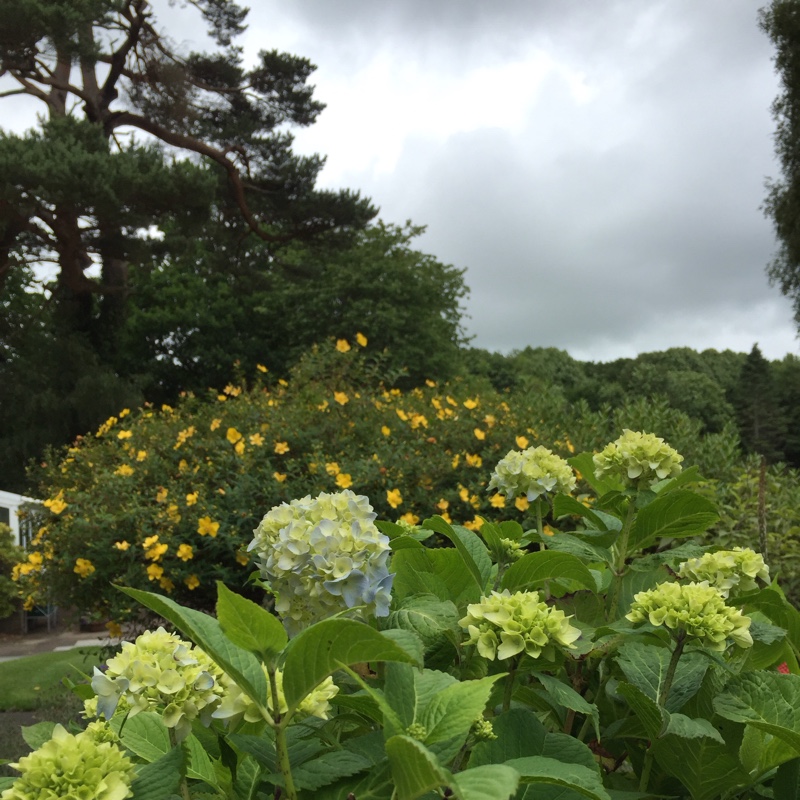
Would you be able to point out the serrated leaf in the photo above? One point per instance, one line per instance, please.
(248, 625)
(688, 728)
(566, 505)
(567, 543)
(452, 711)
(324, 647)
(671, 515)
(537, 769)
(534, 569)
(414, 768)
(439, 571)
(160, 779)
(329, 768)
(36, 735)
(645, 666)
(143, 734)
(768, 701)
(468, 545)
(490, 782)
(198, 762)
(566, 696)
(205, 631)
(584, 463)
(427, 617)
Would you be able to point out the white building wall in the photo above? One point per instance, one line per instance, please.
(12, 503)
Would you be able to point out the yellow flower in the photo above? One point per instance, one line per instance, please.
(521, 503)
(475, 524)
(548, 531)
(191, 498)
(361, 339)
(185, 552)
(166, 584)
(473, 460)
(261, 368)
(29, 603)
(233, 391)
(56, 504)
(385, 430)
(344, 481)
(479, 434)
(83, 567)
(141, 455)
(222, 397)
(332, 468)
(173, 513)
(125, 471)
(282, 382)
(341, 398)
(123, 545)
(342, 345)
(443, 504)
(281, 448)
(192, 581)
(456, 460)
(522, 442)
(124, 413)
(243, 559)
(156, 551)
(393, 497)
(239, 447)
(446, 517)
(430, 383)
(279, 476)
(161, 495)
(411, 519)
(497, 501)
(257, 439)
(215, 423)
(183, 465)
(568, 443)
(402, 414)
(451, 401)
(233, 435)
(470, 403)
(166, 409)
(207, 527)
(322, 406)
(114, 629)
(489, 419)
(124, 434)
(150, 541)
(463, 493)
(155, 571)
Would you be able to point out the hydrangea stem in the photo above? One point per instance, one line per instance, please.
(510, 678)
(184, 786)
(673, 665)
(620, 558)
(281, 745)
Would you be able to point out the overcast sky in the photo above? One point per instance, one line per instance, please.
(597, 167)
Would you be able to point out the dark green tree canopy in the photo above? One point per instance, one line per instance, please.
(135, 132)
(780, 20)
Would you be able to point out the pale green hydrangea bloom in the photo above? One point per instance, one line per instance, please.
(532, 473)
(698, 609)
(728, 570)
(161, 672)
(236, 705)
(83, 766)
(638, 459)
(322, 556)
(504, 625)
(512, 549)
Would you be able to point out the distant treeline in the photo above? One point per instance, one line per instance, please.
(760, 398)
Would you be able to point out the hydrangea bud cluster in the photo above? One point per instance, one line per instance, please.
(236, 705)
(512, 549)
(532, 473)
(504, 624)
(697, 609)
(638, 459)
(729, 570)
(322, 556)
(161, 672)
(89, 764)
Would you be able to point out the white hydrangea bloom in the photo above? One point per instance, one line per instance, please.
(323, 555)
(532, 472)
(638, 459)
(160, 672)
(728, 570)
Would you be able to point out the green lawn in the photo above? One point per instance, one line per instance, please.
(29, 683)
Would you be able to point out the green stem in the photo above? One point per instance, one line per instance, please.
(184, 786)
(621, 557)
(648, 765)
(281, 745)
(512, 674)
(539, 525)
(673, 665)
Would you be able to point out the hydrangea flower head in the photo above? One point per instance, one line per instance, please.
(237, 705)
(728, 570)
(639, 459)
(70, 766)
(504, 624)
(322, 556)
(531, 473)
(698, 609)
(160, 671)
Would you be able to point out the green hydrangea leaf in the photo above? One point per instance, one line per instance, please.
(428, 617)
(248, 625)
(160, 779)
(538, 770)
(768, 701)
(490, 782)
(414, 768)
(786, 784)
(670, 516)
(36, 735)
(534, 569)
(143, 734)
(469, 546)
(452, 711)
(566, 696)
(321, 649)
(329, 768)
